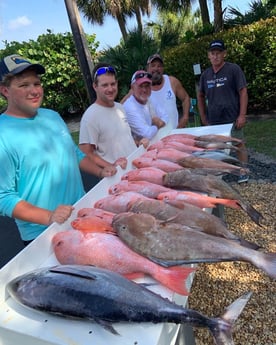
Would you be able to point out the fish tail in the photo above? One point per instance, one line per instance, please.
(267, 263)
(255, 215)
(229, 203)
(175, 278)
(221, 328)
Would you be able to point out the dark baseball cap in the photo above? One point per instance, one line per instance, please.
(16, 64)
(155, 57)
(217, 44)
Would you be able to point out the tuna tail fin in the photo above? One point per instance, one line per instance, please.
(222, 330)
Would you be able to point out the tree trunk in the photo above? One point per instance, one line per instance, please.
(122, 25)
(204, 12)
(139, 20)
(218, 22)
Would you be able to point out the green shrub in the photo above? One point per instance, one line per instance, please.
(253, 47)
(63, 82)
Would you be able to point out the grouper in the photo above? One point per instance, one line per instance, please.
(169, 243)
(190, 179)
(106, 297)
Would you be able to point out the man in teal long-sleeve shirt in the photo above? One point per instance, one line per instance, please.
(40, 178)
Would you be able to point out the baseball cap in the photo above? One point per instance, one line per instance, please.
(140, 77)
(15, 64)
(217, 44)
(155, 57)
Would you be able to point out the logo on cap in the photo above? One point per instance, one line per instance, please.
(217, 44)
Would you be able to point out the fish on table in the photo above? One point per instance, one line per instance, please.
(92, 223)
(207, 142)
(176, 145)
(117, 203)
(218, 155)
(215, 145)
(218, 138)
(108, 251)
(173, 243)
(189, 215)
(210, 184)
(210, 164)
(187, 139)
(170, 154)
(150, 174)
(148, 189)
(165, 165)
(106, 298)
(92, 211)
(197, 199)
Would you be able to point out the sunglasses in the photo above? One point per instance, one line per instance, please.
(104, 70)
(141, 75)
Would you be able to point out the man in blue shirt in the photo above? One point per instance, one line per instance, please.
(39, 177)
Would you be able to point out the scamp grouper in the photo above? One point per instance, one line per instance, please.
(105, 297)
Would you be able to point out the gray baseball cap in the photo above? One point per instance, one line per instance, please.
(16, 64)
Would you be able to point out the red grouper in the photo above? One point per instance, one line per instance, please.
(150, 174)
(106, 297)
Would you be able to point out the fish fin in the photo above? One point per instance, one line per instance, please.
(170, 263)
(255, 215)
(147, 284)
(229, 203)
(249, 244)
(107, 326)
(135, 275)
(222, 329)
(74, 271)
(175, 278)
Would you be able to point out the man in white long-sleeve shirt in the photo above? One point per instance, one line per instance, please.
(144, 119)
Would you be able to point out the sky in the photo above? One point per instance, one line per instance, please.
(26, 20)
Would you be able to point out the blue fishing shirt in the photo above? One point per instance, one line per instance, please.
(39, 163)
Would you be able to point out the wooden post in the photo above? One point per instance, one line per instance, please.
(84, 56)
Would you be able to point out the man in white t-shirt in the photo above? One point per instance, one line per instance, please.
(166, 90)
(144, 119)
(104, 130)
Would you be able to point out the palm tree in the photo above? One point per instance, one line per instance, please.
(204, 12)
(96, 10)
(218, 20)
(258, 10)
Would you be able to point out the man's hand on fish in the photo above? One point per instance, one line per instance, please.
(108, 171)
(144, 142)
(122, 162)
(60, 214)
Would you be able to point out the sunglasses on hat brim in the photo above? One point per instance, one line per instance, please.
(104, 70)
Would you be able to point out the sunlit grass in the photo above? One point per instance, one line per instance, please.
(260, 135)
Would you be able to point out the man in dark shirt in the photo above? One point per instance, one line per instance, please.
(222, 96)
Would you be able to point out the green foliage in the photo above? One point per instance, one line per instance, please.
(259, 9)
(253, 47)
(63, 83)
(128, 57)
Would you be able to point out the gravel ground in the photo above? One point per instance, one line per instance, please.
(262, 168)
(215, 286)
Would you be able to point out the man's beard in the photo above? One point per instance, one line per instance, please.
(157, 78)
